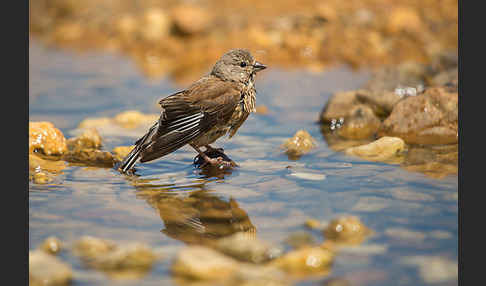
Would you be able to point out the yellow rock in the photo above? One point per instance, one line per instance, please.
(51, 245)
(305, 261)
(300, 144)
(41, 178)
(89, 139)
(46, 139)
(383, 149)
(90, 156)
(120, 152)
(130, 260)
(47, 270)
(347, 230)
(37, 164)
(89, 246)
(202, 263)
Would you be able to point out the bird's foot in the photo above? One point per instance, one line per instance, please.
(218, 162)
(214, 158)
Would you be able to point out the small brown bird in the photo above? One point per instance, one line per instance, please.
(211, 107)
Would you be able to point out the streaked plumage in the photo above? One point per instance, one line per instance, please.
(213, 106)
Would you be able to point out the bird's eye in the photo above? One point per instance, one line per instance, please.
(242, 64)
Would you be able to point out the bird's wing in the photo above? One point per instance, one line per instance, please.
(189, 114)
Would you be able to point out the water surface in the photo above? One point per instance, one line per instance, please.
(412, 215)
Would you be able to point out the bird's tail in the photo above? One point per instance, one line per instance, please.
(130, 160)
(132, 157)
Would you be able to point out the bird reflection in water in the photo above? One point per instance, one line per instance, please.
(193, 214)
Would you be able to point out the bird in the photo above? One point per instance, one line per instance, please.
(215, 105)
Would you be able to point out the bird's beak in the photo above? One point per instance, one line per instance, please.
(258, 66)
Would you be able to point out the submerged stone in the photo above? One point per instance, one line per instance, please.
(120, 152)
(300, 239)
(383, 149)
(130, 260)
(347, 230)
(360, 123)
(305, 261)
(89, 139)
(202, 263)
(92, 157)
(301, 143)
(47, 270)
(51, 245)
(245, 247)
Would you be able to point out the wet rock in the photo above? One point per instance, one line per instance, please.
(41, 178)
(43, 171)
(46, 139)
(45, 270)
(338, 106)
(90, 247)
(360, 123)
(428, 118)
(305, 261)
(190, 19)
(202, 263)
(90, 157)
(51, 245)
(381, 102)
(347, 230)
(383, 149)
(313, 224)
(300, 239)
(120, 152)
(37, 164)
(156, 25)
(130, 260)
(132, 118)
(90, 138)
(247, 248)
(252, 275)
(301, 143)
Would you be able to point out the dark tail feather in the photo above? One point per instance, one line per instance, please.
(130, 160)
(133, 156)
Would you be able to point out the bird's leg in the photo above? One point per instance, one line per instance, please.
(212, 161)
(209, 148)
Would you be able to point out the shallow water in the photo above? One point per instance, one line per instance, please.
(413, 216)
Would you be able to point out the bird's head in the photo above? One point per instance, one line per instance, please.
(237, 65)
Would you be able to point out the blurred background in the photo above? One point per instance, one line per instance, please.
(181, 39)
